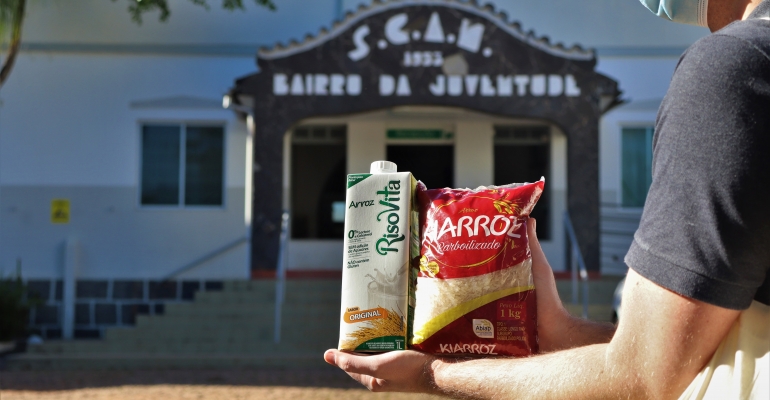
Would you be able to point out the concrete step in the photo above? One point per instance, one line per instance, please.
(256, 333)
(261, 298)
(269, 285)
(245, 335)
(199, 348)
(258, 310)
(158, 325)
(234, 328)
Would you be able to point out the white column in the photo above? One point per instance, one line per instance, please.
(366, 143)
(474, 164)
(557, 184)
(70, 272)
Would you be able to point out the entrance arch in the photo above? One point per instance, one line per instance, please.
(429, 53)
(474, 147)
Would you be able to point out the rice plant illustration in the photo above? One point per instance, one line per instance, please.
(392, 325)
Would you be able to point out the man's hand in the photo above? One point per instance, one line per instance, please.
(556, 328)
(663, 340)
(396, 371)
(552, 318)
(411, 371)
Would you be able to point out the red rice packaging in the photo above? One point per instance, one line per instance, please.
(475, 293)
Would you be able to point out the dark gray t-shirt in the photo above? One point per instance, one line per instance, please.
(705, 229)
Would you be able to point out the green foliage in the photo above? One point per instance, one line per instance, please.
(11, 17)
(137, 8)
(15, 304)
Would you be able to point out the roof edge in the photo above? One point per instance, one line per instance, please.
(576, 52)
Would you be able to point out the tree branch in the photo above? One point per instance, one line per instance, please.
(13, 48)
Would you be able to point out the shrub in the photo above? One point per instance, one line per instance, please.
(14, 308)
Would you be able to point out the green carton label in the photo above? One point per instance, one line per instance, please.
(353, 179)
(385, 343)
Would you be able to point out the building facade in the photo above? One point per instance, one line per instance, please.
(125, 183)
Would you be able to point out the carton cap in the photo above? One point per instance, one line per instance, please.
(383, 167)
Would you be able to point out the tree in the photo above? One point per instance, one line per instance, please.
(12, 19)
(137, 8)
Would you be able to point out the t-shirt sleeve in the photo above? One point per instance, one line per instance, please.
(705, 229)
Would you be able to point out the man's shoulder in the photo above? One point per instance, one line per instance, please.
(728, 56)
(749, 38)
(755, 31)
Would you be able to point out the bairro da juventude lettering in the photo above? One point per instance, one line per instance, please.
(452, 85)
(445, 46)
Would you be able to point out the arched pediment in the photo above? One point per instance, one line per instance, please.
(426, 52)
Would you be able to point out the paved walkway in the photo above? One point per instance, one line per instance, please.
(262, 384)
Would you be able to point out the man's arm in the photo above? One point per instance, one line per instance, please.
(557, 329)
(662, 342)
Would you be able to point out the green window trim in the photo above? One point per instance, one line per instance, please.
(182, 165)
(636, 165)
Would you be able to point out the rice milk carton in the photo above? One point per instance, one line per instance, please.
(381, 239)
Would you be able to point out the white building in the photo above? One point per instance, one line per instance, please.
(125, 124)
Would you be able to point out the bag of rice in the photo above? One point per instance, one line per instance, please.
(475, 293)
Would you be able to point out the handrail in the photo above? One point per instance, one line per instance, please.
(280, 276)
(207, 257)
(576, 261)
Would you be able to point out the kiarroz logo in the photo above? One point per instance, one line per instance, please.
(483, 329)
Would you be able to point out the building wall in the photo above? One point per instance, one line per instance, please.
(88, 76)
(70, 128)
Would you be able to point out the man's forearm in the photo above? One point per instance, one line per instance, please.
(568, 332)
(580, 332)
(661, 343)
(580, 373)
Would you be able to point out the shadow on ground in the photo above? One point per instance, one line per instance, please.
(330, 377)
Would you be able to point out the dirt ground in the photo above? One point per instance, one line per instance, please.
(264, 384)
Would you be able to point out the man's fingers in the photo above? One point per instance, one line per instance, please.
(350, 363)
(540, 266)
(365, 380)
(534, 245)
(357, 367)
(541, 269)
(550, 312)
(329, 357)
(402, 371)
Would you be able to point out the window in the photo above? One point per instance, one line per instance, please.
(636, 165)
(182, 165)
(523, 154)
(318, 176)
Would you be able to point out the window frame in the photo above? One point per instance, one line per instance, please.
(183, 124)
(292, 139)
(649, 128)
